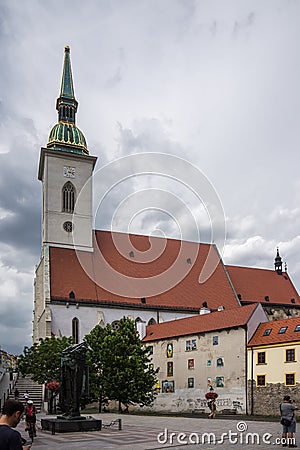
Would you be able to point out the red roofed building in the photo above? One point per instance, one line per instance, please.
(120, 255)
(273, 365)
(205, 322)
(198, 352)
(87, 277)
(272, 288)
(83, 286)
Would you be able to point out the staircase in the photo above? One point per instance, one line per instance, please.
(35, 391)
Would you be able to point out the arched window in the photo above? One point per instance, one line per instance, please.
(152, 321)
(68, 197)
(75, 330)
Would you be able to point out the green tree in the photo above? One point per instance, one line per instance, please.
(120, 366)
(97, 342)
(42, 361)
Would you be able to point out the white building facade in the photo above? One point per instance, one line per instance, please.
(213, 354)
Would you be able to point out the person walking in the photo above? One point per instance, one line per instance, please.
(12, 413)
(288, 421)
(213, 409)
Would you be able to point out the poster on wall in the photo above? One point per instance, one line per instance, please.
(219, 381)
(169, 350)
(215, 340)
(191, 364)
(190, 382)
(168, 386)
(150, 349)
(220, 361)
(191, 344)
(170, 369)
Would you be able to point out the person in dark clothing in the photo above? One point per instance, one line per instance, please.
(30, 416)
(288, 421)
(213, 409)
(12, 413)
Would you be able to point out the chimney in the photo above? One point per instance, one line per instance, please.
(204, 311)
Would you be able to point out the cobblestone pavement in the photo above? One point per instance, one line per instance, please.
(152, 432)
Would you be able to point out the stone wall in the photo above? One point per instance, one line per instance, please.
(266, 400)
(183, 401)
(281, 312)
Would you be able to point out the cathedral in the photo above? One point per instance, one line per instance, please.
(83, 279)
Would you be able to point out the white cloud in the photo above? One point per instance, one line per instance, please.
(214, 82)
(15, 307)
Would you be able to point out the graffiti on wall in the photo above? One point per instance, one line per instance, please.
(236, 404)
(220, 402)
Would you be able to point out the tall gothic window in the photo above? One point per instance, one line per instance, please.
(75, 330)
(152, 321)
(68, 197)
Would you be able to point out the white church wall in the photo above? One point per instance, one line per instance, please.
(90, 316)
(39, 330)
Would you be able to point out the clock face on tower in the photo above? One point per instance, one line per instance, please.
(69, 172)
(68, 227)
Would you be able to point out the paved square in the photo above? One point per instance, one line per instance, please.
(142, 432)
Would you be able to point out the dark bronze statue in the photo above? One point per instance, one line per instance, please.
(73, 377)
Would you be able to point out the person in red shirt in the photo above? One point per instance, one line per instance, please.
(30, 416)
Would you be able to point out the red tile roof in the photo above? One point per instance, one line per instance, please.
(275, 337)
(218, 320)
(255, 284)
(68, 275)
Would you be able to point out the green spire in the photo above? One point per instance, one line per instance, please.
(66, 104)
(67, 89)
(65, 135)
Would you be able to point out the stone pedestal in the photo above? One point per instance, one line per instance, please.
(63, 425)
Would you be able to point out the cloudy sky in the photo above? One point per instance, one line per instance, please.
(216, 83)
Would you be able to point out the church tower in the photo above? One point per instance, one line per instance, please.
(278, 263)
(65, 168)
